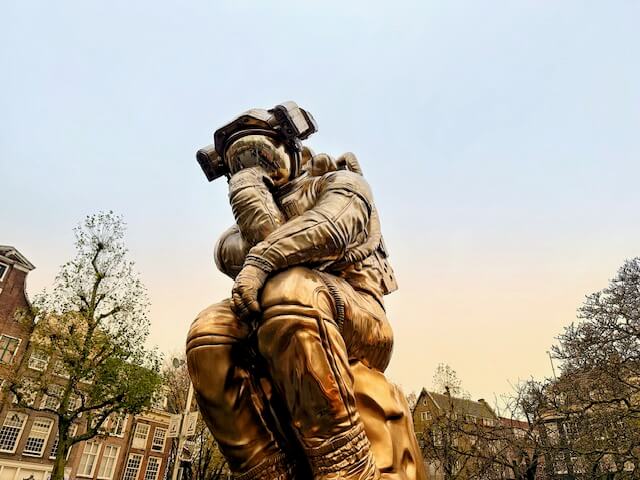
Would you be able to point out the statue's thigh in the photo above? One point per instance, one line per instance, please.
(226, 390)
(214, 351)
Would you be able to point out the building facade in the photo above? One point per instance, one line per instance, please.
(131, 448)
(442, 423)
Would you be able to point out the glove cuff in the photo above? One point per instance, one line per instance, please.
(255, 261)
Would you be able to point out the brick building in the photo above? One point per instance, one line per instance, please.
(132, 448)
(438, 420)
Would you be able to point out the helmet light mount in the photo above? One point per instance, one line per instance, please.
(287, 122)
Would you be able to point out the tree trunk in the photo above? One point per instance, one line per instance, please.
(60, 462)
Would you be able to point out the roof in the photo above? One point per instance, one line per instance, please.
(13, 256)
(514, 423)
(462, 406)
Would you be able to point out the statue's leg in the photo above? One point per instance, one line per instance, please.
(382, 406)
(388, 423)
(308, 363)
(228, 398)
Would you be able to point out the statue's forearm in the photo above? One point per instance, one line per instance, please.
(256, 212)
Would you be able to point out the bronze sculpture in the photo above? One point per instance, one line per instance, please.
(288, 373)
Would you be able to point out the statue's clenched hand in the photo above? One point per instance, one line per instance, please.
(244, 294)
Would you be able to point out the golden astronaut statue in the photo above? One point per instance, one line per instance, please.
(288, 372)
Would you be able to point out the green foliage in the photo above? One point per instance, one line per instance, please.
(91, 328)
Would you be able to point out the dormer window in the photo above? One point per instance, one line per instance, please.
(4, 268)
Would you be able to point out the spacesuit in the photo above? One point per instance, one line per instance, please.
(272, 366)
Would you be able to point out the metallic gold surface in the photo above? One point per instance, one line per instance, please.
(288, 373)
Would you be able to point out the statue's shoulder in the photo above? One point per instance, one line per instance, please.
(348, 181)
(345, 179)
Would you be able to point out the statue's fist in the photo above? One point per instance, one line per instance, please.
(244, 294)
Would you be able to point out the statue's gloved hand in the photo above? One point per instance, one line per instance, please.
(244, 294)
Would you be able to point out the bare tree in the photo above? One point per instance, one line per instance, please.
(598, 391)
(207, 463)
(452, 445)
(445, 379)
(502, 445)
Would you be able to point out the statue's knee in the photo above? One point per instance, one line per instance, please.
(212, 345)
(216, 325)
(210, 367)
(286, 334)
(293, 286)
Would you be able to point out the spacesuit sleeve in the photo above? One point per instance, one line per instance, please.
(338, 220)
(253, 206)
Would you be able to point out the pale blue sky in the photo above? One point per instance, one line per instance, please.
(501, 139)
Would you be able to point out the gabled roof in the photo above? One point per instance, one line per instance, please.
(462, 406)
(13, 256)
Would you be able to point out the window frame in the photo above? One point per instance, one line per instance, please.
(157, 472)
(136, 437)
(138, 468)
(45, 439)
(46, 397)
(31, 365)
(114, 464)
(120, 419)
(4, 273)
(24, 417)
(95, 462)
(164, 439)
(2, 352)
(60, 371)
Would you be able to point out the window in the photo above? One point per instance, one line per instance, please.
(11, 431)
(132, 467)
(88, 459)
(108, 464)
(140, 436)
(487, 422)
(38, 437)
(38, 361)
(61, 370)
(51, 399)
(159, 435)
(8, 347)
(75, 402)
(29, 391)
(4, 268)
(425, 416)
(153, 467)
(54, 448)
(118, 424)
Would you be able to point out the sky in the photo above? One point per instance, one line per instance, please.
(500, 139)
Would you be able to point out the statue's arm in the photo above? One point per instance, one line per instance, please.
(256, 212)
(339, 220)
